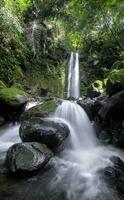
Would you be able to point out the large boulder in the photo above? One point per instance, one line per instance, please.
(27, 157)
(109, 119)
(41, 110)
(12, 102)
(92, 106)
(114, 175)
(115, 81)
(44, 130)
(113, 135)
(88, 105)
(112, 109)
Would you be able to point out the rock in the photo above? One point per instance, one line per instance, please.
(12, 102)
(44, 130)
(115, 82)
(112, 135)
(95, 89)
(118, 134)
(114, 175)
(105, 137)
(43, 92)
(88, 105)
(71, 98)
(112, 109)
(92, 106)
(99, 101)
(41, 110)
(109, 118)
(27, 157)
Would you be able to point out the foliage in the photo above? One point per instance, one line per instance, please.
(13, 44)
(118, 65)
(116, 75)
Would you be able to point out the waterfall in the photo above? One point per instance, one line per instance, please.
(76, 91)
(77, 169)
(82, 133)
(70, 74)
(80, 163)
(73, 76)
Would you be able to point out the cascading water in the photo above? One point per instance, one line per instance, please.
(74, 175)
(76, 85)
(82, 133)
(77, 170)
(73, 76)
(70, 74)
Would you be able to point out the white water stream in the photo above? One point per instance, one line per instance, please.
(78, 166)
(73, 76)
(77, 169)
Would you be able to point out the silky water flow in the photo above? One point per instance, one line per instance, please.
(77, 170)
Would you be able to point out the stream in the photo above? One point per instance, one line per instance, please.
(73, 174)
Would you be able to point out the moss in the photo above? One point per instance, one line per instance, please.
(105, 82)
(116, 75)
(2, 85)
(96, 86)
(118, 65)
(11, 94)
(48, 106)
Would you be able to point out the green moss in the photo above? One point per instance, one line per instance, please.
(116, 75)
(96, 86)
(11, 95)
(2, 85)
(105, 82)
(48, 106)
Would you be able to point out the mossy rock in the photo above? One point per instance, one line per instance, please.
(95, 89)
(13, 96)
(118, 65)
(12, 103)
(2, 85)
(41, 110)
(115, 82)
(24, 158)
